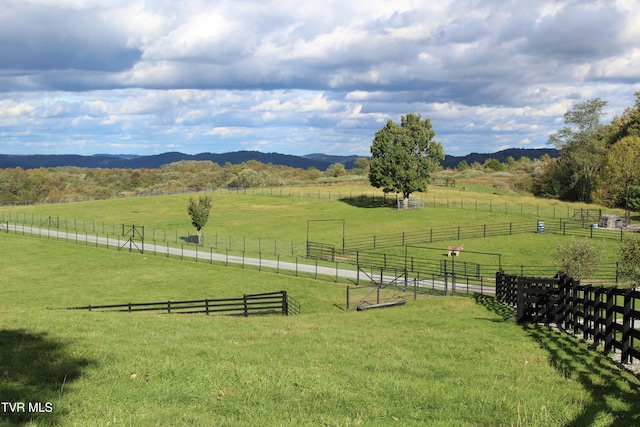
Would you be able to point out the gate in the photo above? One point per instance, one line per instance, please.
(135, 233)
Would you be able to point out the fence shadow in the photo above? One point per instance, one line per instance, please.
(490, 303)
(613, 391)
(190, 239)
(35, 369)
(365, 201)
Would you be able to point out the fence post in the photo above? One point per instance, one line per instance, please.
(627, 318)
(244, 300)
(520, 302)
(610, 320)
(285, 304)
(585, 311)
(446, 282)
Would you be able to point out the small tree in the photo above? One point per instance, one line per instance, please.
(199, 213)
(630, 258)
(403, 156)
(579, 258)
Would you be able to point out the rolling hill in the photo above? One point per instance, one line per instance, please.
(316, 160)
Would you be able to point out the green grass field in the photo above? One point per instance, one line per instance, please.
(437, 361)
(266, 222)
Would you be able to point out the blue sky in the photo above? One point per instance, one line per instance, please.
(297, 77)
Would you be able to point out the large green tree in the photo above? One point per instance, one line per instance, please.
(582, 146)
(621, 175)
(403, 155)
(199, 213)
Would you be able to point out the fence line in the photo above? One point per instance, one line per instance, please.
(555, 211)
(323, 191)
(233, 244)
(310, 269)
(357, 260)
(243, 244)
(560, 226)
(252, 304)
(606, 315)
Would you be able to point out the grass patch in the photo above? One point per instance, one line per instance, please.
(437, 361)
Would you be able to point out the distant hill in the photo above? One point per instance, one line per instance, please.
(516, 153)
(155, 161)
(347, 161)
(316, 160)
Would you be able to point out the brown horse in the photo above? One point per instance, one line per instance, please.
(455, 250)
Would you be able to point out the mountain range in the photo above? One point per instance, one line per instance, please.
(316, 160)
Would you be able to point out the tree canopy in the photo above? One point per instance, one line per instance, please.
(582, 149)
(598, 162)
(621, 174)
(403, 155)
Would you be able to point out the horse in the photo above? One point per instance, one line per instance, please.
(455, 250)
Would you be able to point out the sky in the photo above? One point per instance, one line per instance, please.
(298, 77)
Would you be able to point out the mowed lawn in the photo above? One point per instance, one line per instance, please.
(438, 361)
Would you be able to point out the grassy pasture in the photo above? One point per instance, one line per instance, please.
(437, 361)
(281, 224)
(441, 361)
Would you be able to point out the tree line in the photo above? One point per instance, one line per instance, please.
(598, 162)
(73, 184)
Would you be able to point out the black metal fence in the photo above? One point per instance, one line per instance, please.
(579, 228)
(249, 305)
(606, 315)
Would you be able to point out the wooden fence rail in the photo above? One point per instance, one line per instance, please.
(606, 315)
(248, 305)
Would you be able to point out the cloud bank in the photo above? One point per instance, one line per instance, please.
(87, 76)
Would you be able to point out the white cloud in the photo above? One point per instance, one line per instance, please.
(298, 77)
(17, 110)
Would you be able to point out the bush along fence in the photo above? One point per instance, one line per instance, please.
(249, 305)
(606, 315)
